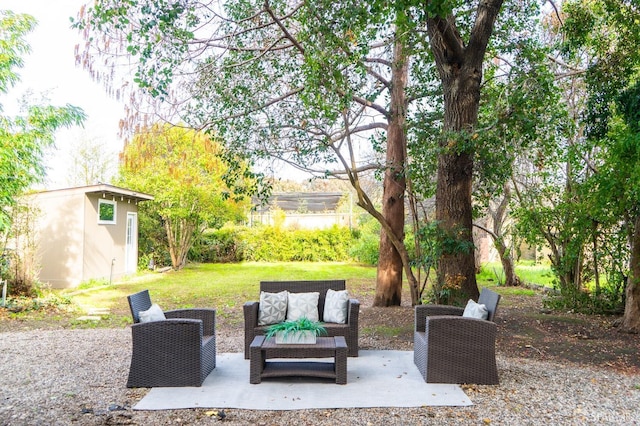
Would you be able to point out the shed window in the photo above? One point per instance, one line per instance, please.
(106, 212)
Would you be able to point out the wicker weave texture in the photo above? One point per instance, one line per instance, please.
(349, 330)
(449, 348)
(263, 349)
(179, 351)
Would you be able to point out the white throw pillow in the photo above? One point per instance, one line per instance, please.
(154, 313)
(335, 306)
(303, 305)
(272, 308)
(475, 310)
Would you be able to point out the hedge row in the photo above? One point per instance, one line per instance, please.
(272, 244)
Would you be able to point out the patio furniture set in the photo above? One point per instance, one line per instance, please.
(178, 347)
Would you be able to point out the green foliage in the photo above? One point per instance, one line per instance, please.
(44, 302)
(606, 31)
(606, 302)
(301, 324)
(183, 170)
(153, 21)
(366, 245)
(23, 139)
(272, 244)
(218, 245)
(449, 293)
(601, 206)
(531, 273)
(436, 241)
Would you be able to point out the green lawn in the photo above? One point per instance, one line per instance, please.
(228, 286)
(529, 272)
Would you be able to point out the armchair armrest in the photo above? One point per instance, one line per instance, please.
(207, 316)
(250, 312)
(353, 310)
(452, 331)
(165, 334)
(424, 311)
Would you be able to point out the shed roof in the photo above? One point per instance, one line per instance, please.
(104, 190)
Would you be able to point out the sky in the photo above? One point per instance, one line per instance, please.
(50, 69)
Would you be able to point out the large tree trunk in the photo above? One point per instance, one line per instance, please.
(460, 71)
(456, 269)
(631, 318)
(390, 265)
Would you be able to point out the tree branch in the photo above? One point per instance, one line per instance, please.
(259, 107)
(284, 29)
(483, 27)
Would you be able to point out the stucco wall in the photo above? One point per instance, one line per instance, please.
(104, 244)
(60, 236)
(73, 246)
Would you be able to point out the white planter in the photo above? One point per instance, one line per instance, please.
(304, 337)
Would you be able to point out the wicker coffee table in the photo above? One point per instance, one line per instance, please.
(263, 349)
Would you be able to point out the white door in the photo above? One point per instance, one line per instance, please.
(131, 249)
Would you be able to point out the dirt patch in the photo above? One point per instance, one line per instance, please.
(527, 330)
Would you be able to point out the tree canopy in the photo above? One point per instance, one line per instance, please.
(24, 138)
(467, 101)
(185, 171)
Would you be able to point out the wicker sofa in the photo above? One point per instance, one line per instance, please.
(450, 348)
(349, 330)
(178, 351)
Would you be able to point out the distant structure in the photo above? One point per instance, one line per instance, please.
(88, 232)
(303, 210)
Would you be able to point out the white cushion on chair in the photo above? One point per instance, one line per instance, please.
(303, 305)
(272, 308)
(335, 306)
(154, 313)
(475, 310)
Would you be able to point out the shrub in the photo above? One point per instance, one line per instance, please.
(219, 245)
(366, 247)
(273, 244)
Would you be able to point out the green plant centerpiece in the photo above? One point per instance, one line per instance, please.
(300, 331)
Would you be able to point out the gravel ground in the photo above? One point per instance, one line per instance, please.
(77, 377)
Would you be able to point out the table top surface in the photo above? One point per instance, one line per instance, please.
(321, 343)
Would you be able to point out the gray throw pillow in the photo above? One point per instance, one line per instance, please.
(475, 310)
(272, 308)
(154, 313)
(303, 305)
(335, 306)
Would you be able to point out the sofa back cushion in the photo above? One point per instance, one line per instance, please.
(272, 308)
(303, 305)
(320, 286)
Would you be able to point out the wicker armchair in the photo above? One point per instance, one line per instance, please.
(348, 330)
(449, 348)
(179, 351)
